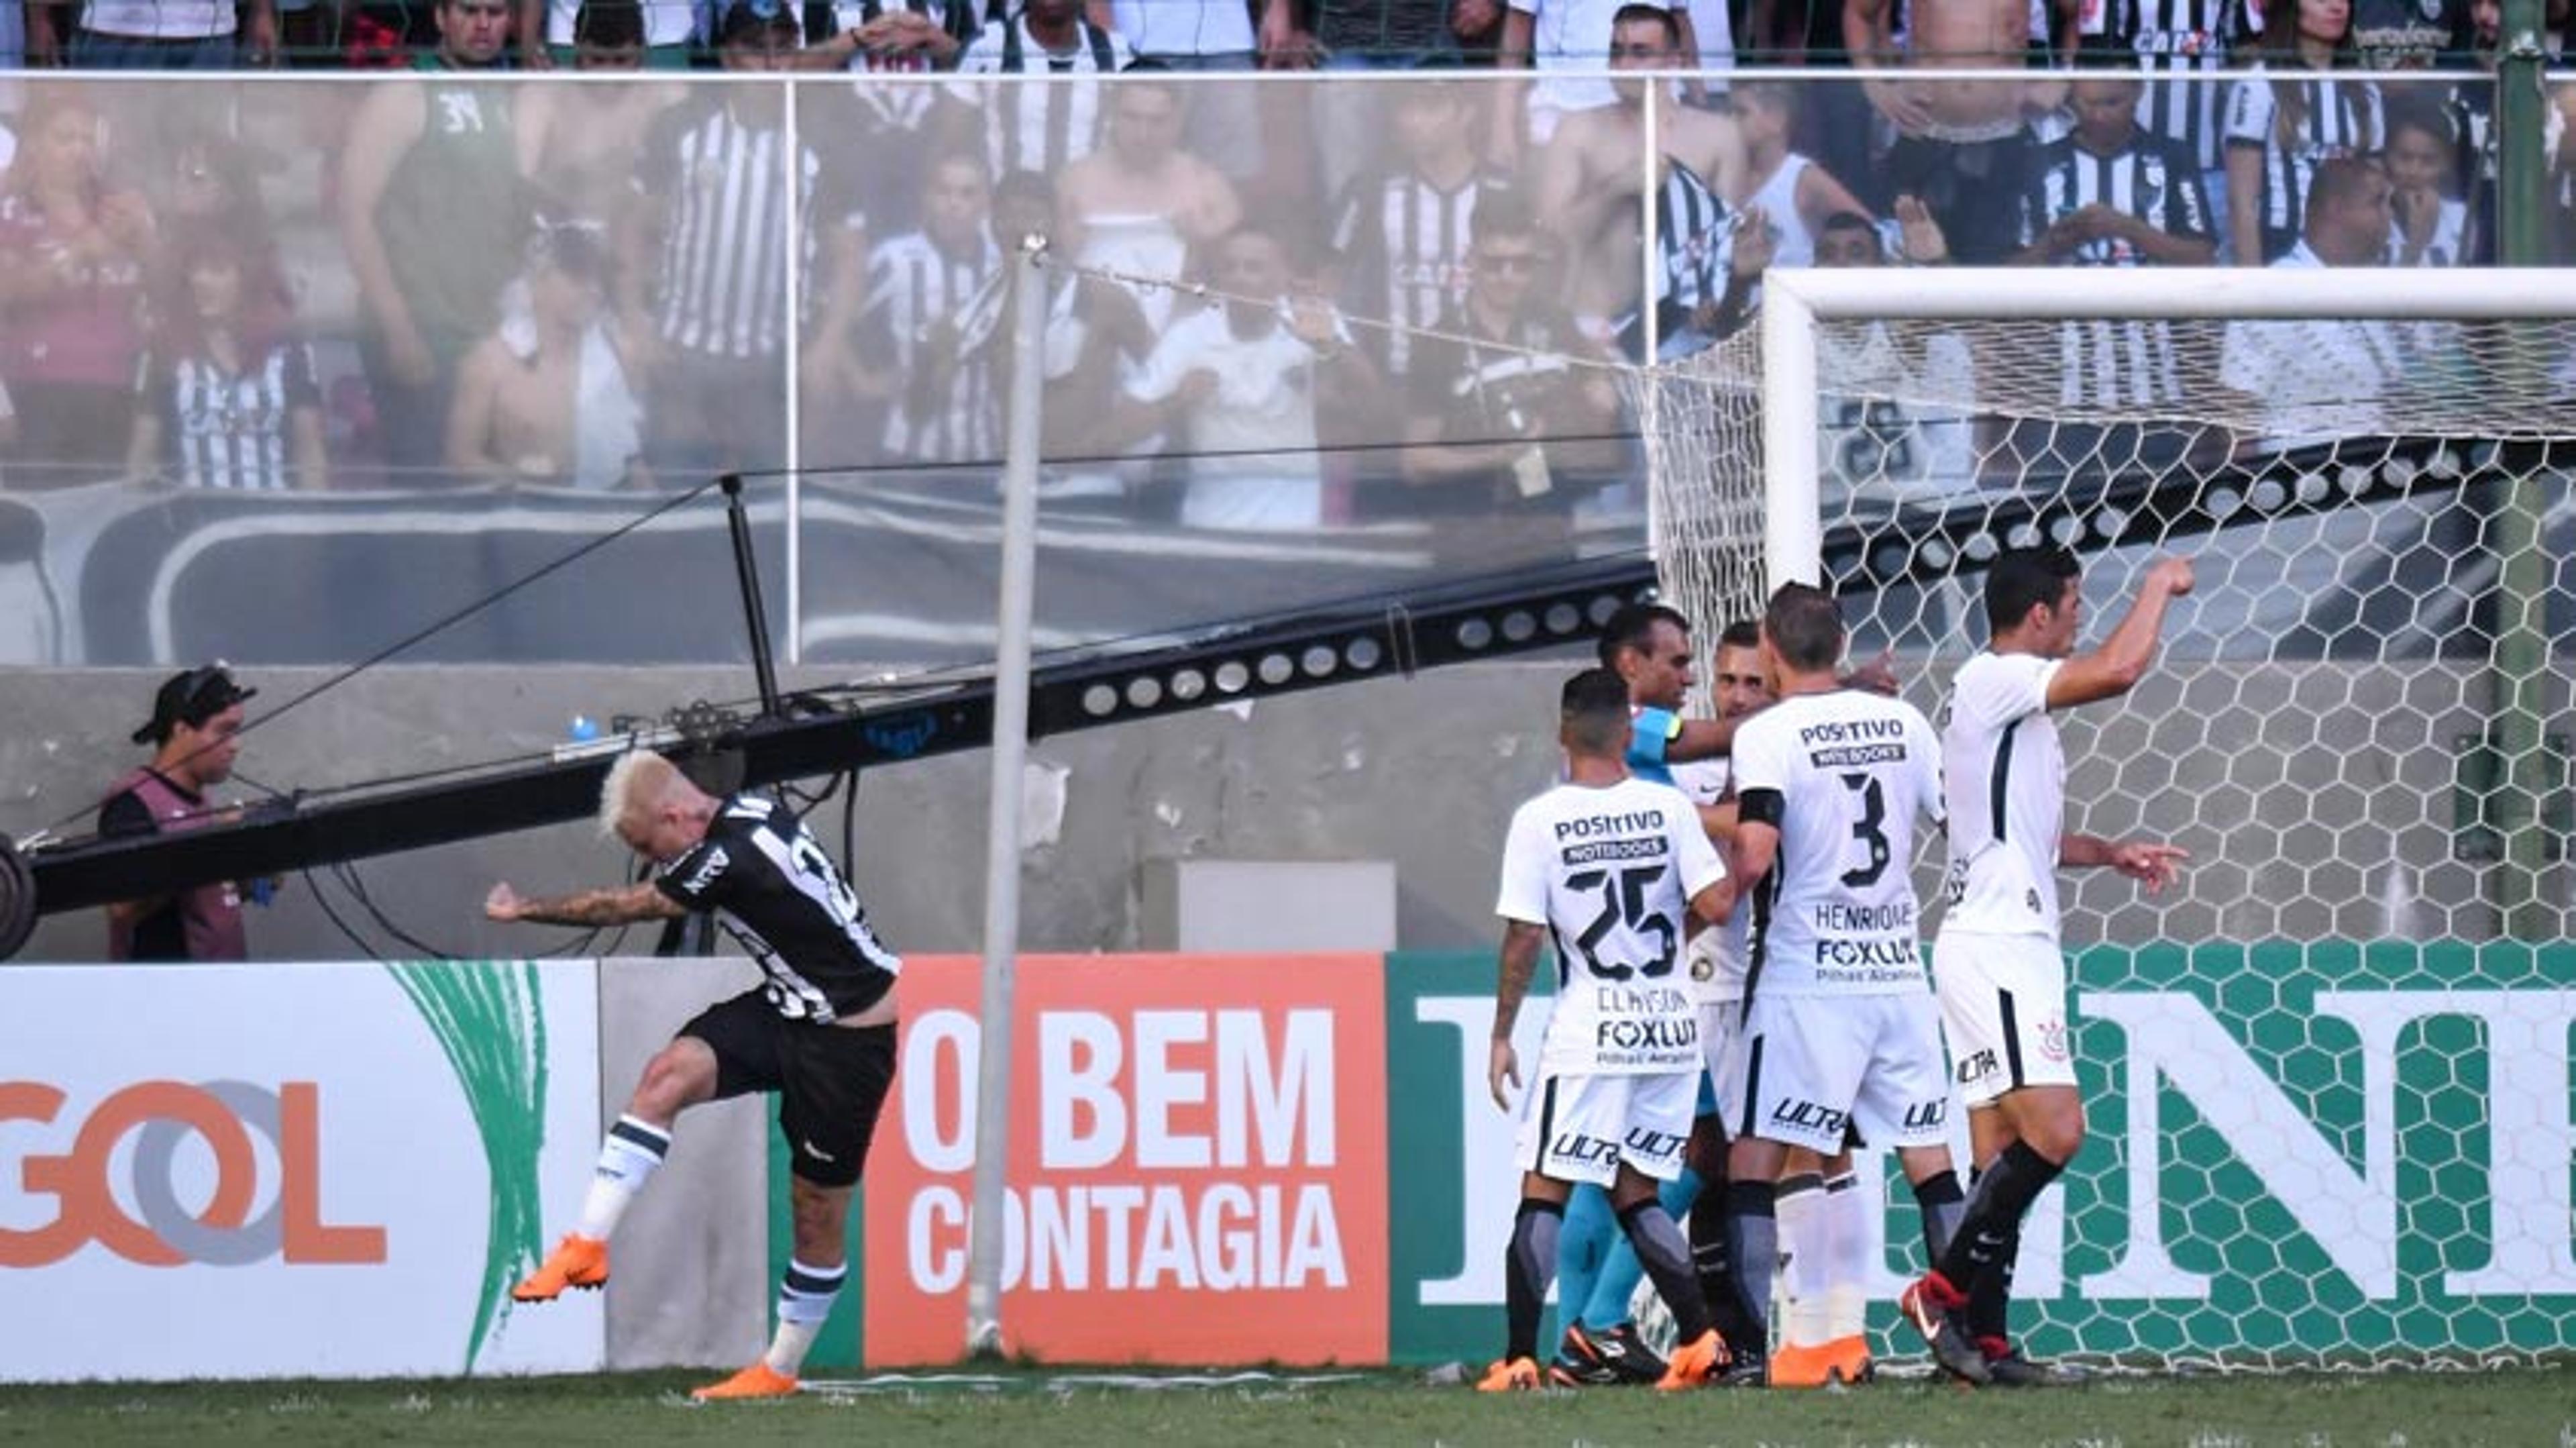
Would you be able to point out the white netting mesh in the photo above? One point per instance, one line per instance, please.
(2295, 1064)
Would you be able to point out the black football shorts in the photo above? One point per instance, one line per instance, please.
(831, 1080)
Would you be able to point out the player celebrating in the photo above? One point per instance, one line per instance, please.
(2002, 977)
(1605, 865)
(1839, 1026)
(820, 1032)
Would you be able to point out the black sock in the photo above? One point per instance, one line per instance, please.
(1990, 1297)
(1943, 1207)
(1667, 1260)
(1987, 1231)
(1753, 1243)
(1713, 1264)
(1529, 1264)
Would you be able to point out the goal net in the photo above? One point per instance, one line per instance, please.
(2327, 1078)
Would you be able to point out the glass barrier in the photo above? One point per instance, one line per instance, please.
(297, 366)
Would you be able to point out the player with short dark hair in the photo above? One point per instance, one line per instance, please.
(1998, 960)
(1606, 866)
(819, 1032)
(1839, 1024)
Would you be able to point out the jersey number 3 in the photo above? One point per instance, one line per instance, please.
(1870, 829)
(1623, 902)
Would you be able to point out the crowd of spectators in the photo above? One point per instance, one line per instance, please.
(1304, 304)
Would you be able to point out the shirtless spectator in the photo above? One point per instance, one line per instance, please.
(1138, 205)
(1588, 176)
(1562, 39)
(1793, 193)
(545, 398)
(1962, 145)
(434, 210)
(1502, 377)
(1239, 384)
(585, 138)
(1401, 235)
(556, 32)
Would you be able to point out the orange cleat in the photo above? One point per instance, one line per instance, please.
(757, 1381)
(1847, 1359)
(576, 1261)
(1510, 1375)
(1798, 1365)
(1692, 1362)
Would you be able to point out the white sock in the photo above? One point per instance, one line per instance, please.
(804, 1299)
(1846, 1260)
(1801, 1213)
(626, 1162)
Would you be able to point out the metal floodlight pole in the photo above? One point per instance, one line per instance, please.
(985, 1228)
(746, 572)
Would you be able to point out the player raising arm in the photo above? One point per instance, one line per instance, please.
(819, 1032)
(1604, 865)
(1998, 960)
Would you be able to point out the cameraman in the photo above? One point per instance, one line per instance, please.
(194, 720)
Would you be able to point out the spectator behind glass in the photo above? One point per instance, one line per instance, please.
(546, 398)
(226, 397)
(2175, 42)
(75, 255)
(2288, 117)
(2315, 382)
(931, 295)
(1396, 34)
(1503, 375)
(1140, 203)
(1401, 234)
(1239, 384)
(2430, 223)
(598, 34)
(154, 35)
(435, 209)
(1793, 193)
(1963, 147)
(1032, 127)
(584, 138)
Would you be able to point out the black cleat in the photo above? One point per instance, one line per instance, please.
(1748, 1369)
(1581, 1363)
(1627, 1354)
(2009, 1368)
(1933, 1306)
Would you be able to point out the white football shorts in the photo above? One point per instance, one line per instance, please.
(1721, 1044)
(1812, 1067)
(2003, 1002)
(1580, 1128)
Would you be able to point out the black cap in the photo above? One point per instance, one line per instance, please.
(192, 698)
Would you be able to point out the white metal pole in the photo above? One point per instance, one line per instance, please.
(984, 1233)
(1649, 225)
(1793, 536)
(795, 453)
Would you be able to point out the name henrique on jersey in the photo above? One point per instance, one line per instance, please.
(1843, 776)
(2007, 796)
(774, 890)
(1610, 871)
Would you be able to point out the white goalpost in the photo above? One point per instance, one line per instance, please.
(2307, 1144)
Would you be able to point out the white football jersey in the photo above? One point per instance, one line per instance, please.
(1716, 957)
(1610, 871)
(2007, 796)
(1851, 772)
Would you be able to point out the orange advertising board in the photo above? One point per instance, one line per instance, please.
(1197, 1162)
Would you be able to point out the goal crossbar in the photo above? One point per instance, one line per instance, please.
(1795, 302)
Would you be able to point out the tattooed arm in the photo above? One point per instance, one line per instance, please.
(621, 905)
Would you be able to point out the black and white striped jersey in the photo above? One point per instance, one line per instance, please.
(2182, 46)
(722, 276)
(919, 293)
(227, 429)
(775, 891)
(1404, 240)
(2298, 121)
(1033, 127)
(2107, 363)
(1694, 251)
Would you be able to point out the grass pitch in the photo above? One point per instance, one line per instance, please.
(1056, 1409)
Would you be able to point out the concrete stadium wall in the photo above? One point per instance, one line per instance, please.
(1421, 772)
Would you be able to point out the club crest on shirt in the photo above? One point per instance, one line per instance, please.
(2052, 1040)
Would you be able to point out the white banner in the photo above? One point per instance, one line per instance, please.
(304, 1170)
